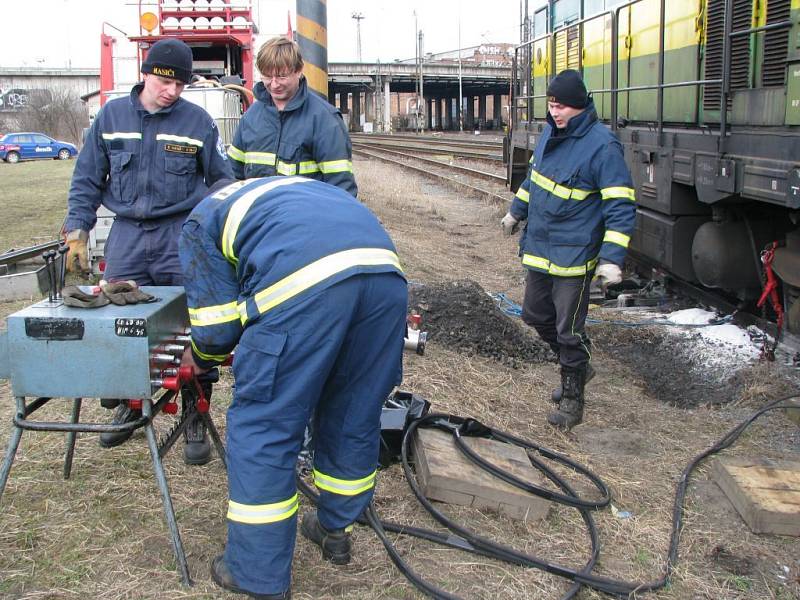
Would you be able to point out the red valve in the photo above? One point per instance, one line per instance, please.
(171, 383)
(171, 407)
(135, 404)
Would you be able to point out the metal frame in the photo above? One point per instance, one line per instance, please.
(73, 427)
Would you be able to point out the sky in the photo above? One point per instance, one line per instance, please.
(67, 32)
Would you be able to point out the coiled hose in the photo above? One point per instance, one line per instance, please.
(464, 539)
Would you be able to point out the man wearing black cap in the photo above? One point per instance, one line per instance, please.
(149, 157)
(578, 204)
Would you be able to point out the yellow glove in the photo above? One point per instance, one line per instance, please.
(78, 252)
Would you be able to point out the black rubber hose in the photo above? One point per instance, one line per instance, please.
(470, 542)
(501, 551)
(568, 500)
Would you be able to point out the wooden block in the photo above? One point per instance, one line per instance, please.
(446, 475)
(766, 493)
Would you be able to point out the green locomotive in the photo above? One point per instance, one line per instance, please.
(714, 186)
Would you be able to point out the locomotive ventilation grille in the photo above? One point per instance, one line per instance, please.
(776, 43)
(775, 48)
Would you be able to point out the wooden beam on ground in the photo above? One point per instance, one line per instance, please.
(766, 493)
(446, 475)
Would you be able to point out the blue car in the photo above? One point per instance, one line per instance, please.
(15, 147)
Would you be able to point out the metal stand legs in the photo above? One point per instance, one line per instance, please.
(72, 428)
(161, 479)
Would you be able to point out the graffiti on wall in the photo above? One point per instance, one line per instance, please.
(16, 99)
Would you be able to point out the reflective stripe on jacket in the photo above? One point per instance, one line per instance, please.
(578, 199)
(145, 166)
(307, 138)
(262, 244)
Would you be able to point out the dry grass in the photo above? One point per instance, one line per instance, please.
(34, 201)
(102, 533)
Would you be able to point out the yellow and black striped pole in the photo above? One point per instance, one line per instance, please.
(312, 37)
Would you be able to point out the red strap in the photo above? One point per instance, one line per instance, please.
(771, 285)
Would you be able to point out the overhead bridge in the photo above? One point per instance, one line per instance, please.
(384, 95)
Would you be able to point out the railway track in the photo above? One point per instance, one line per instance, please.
(495, 177)
(490, 151)
(453, 174)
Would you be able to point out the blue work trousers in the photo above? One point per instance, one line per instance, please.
(335, 354)
(144, 251)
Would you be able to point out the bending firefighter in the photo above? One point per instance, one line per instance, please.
(149, 157)
(578, 206)
(305, 280)
(291, 130)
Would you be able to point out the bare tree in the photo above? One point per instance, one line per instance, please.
(59, 113)
(8, 123)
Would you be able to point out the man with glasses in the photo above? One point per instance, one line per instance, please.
(290, 131)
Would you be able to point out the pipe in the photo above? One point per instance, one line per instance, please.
(416, 340)
(726, 76)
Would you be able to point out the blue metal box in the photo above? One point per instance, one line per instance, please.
(58, 351)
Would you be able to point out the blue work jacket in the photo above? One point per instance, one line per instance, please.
(307, 137)
(261, 245)
(145, 166)
(578, 199)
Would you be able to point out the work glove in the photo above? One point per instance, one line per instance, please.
(125, 292)
(510, 224)
(607, 273)
(78, 252)
(74, 296)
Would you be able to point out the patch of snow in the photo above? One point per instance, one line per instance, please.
(691, 316)
(718, 350)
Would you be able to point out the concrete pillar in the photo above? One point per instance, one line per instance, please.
(498, 111)
(332, 95)
(428, 113)
(343, 104)
(457, 116)
(469, 122)
(437, 107)
(355, 120)
(387, 106)
(369, 107)
(482, 110)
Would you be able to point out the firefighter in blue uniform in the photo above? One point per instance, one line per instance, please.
(291, 130)
(148, 157)
(305, 280)
(578, 204)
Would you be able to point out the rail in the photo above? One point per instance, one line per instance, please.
(615, 89)
(502, 199)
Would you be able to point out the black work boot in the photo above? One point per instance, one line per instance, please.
(122, 414)
(555, 397)
(336, 544)
(570, 410)
(198, 449)
(223, 578)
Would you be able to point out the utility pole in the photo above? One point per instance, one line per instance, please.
(460, 90)
(358, 17)
(421, 105)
